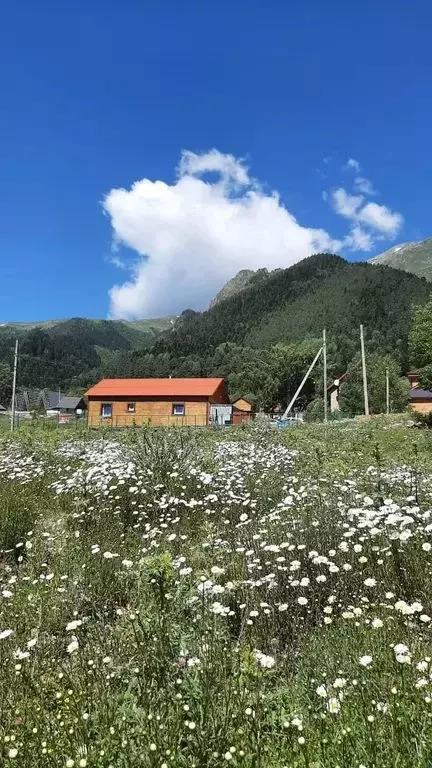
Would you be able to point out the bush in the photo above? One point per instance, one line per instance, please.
(423, 419)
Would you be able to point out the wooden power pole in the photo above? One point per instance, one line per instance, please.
(387, 392)
(365, 387)
(14, 386)
(324, 347)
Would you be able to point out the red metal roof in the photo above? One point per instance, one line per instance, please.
(154, 388)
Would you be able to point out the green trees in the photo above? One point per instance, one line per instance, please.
(261, 340)
(351, 395)
(5, 384)
(420, 338)
(420, 343)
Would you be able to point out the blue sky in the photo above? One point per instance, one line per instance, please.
(98, 97)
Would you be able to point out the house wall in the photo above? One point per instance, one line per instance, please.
(421, 406)
(147, 410)
(240, 417)
(220, 395)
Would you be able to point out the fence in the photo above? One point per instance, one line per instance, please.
(70, 421)
(27, 419)
(156, 420)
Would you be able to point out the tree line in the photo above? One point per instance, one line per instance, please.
(261, 340)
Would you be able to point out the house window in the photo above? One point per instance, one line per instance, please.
(178, 409)
(106, 410)
(131, 407)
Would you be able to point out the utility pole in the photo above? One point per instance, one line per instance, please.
(365, 388)
(299, 389)
(387, 392)
(324, 347)
(14, 386)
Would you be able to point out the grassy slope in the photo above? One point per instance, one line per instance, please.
(411, 257)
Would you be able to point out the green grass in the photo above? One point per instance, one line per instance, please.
(205, 598)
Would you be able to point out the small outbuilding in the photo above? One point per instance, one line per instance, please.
(242, 411)
(420, 400)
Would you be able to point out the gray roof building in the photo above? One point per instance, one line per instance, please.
(49, 399)
(71, 403)
(420, 394)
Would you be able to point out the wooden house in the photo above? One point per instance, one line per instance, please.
(160, 402)
(420, 400)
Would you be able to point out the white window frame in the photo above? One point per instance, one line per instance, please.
(106, 415)
(131, 407)
(178, 405)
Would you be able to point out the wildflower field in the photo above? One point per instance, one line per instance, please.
(249, 597)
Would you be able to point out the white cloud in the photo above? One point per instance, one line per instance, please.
(116, 261)
(381, 218)
(376, 217)
(230, 168)
(359, 240)
(193, 235)
(345, 204)
(352, 165)
(364, 186)
(371, 222)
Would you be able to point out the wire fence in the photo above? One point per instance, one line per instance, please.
(166, 420)
(29, 420)
(72, 422)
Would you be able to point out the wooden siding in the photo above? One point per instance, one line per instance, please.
(148, 411)
(241, 417)
(421, 406)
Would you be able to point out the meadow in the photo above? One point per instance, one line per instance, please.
(249, 597)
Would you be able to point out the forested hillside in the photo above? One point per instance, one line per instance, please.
(261, 338)
(56, 354)
(295, 304)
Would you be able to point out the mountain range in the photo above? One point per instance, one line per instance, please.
(255, 311)
(415, 257)
(293, 304)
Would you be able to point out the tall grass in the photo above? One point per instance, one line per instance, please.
(253, 598)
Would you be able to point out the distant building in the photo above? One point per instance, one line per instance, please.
(28, 399)
(242, 411)
(74, 406)
(160, 402)
(3, 410)
(413, 378)
(420, 400)
(49, 399)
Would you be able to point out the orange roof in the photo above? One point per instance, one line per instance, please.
(242, 405)
(154, 388)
